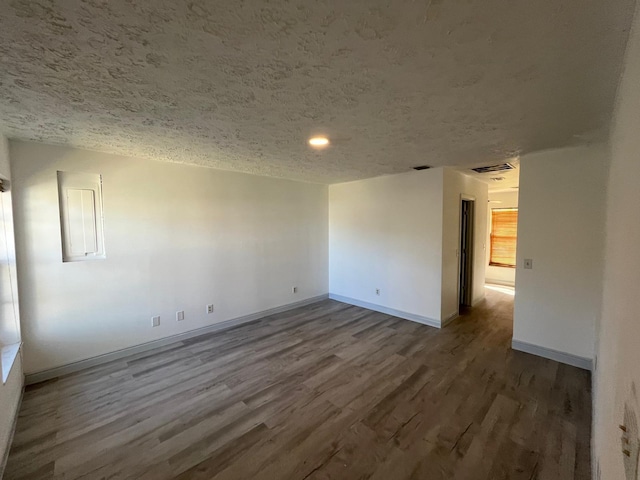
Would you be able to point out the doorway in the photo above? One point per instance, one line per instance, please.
(465, 288)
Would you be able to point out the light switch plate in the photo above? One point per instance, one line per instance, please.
(155, 321)
(528, 263)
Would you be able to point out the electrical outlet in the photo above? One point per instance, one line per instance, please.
(210, 308)
(180, 315)
(294, 289)
(155, 321)
(528, 263)
(377, 291)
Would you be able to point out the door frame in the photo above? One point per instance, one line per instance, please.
(469, 294)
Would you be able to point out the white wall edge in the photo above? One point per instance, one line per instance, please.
(562, 357)
(477, 300)
(389, 311)
(37, 377)
(9, 354)
(449, 319)
(5, 457)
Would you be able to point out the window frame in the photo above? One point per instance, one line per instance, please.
(491, 237)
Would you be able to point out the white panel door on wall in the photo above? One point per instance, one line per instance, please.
(80, 197)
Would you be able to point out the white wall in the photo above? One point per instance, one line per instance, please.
(11, 390)
(617, 377)
(10, 393)
(457, 184)
(500, 275)
(561, 227)
(177, 238)
(386, 233)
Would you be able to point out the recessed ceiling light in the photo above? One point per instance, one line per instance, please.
(318, 142)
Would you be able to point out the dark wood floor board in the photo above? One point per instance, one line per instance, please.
(273, 457)
(344, 453)
(226, 455)
(131, 409)
(326, 391)
(131, 432)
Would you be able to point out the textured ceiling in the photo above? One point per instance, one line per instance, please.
(240, 85)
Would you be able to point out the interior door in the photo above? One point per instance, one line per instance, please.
(466, 252)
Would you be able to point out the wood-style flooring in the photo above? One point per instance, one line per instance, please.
(327, 391)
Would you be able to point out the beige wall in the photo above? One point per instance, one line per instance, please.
(386, 233)
(561, 228)
(177, 238)
(617, 378)
(401, 234)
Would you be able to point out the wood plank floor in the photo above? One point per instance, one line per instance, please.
(328, 391)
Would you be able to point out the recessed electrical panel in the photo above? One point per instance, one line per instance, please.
(81, 222)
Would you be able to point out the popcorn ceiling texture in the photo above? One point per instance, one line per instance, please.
(240, 85)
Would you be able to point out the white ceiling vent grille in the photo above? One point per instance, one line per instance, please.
(501, 167)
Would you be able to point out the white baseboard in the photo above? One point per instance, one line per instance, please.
(32, 378)
(562, 357)
(502, 283)
(389, 311)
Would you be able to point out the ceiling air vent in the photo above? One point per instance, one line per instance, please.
(494, 168)
(422, 167)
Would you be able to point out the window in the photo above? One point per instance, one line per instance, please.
(504, 237)
(9, 311)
